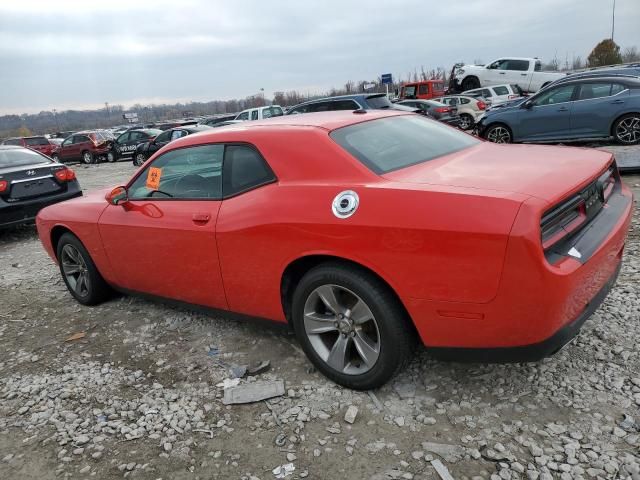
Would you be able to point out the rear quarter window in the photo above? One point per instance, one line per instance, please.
(388, 144)
(21, 157)
(501, 90)
(36, 141)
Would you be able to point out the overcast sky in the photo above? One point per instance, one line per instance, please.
(80, 54)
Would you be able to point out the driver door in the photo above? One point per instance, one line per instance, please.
(162, 241)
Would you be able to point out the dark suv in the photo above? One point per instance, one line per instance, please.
(88, 146)
(145, 149)
(361, 101)
(39, 144)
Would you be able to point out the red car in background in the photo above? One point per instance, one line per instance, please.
(87, 146)
(365, 232)
(423, 90)
(38, 143)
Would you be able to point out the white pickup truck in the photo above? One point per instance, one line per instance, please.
(525, 72)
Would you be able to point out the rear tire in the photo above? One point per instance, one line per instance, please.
(139, 159)
(87, 157)
(498, 133)
(469, 83)
(351, 326)
(466, 121)
(626, 129)
(79, 273)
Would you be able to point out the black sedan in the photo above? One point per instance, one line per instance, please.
(436, 110)
(29, 181)
(146, 149)
(125, 145)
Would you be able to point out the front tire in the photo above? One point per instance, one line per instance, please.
(351, 326)
(466, 121)
(470, 83)
(626, 129)
(139, 159)
(87, 157)
(79, 273)
(498, 133)
(111, 156)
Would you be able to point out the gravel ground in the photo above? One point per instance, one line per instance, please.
(137, 394)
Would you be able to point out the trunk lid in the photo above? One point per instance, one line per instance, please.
(546, 172)
(26, 182)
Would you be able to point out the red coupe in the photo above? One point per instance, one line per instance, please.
(365, 231)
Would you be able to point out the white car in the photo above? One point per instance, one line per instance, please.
(469, 108)
(496, 94)
(525, 72)
(260, 112)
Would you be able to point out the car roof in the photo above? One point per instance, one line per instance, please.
(12, 147)
(192, 128)
(322, 120)
(352, 96)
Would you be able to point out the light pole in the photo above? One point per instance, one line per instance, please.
(613, 20)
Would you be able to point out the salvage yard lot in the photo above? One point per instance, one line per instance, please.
(134, 394)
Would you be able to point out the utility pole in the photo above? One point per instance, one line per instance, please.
(613, 20)
(55, 116)
(106, 105)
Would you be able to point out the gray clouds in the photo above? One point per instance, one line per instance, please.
(62, 54)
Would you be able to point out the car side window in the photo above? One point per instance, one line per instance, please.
(80, 139)
(193, 173)
(555, 95)
(177, 134)
(243, 116)
(464, 101)
(254, 115)
(136, 136)
(164, 137)
(244, 169)
(616, 88)
(590, 91)
(13, 141)
(344, 105)
(67, 141)
(319, 107)
(518, 65)
(501, 90)
(423, 89)
(485, 92)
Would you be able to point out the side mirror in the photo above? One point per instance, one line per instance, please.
(528, 104)
(117, 196)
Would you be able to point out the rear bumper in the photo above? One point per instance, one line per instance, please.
(539, 305)
(12, 214)
(532, 352)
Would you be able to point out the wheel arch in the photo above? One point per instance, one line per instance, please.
(56, 234)
(613, 122)
(297, 268)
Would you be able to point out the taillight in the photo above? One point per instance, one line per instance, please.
(443, 109)
(511, 97)
(3, 185)
(65, 175)
(562, 221)
(481, 105)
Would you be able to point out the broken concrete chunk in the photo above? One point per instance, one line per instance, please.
(350, 414)
(441, 469)
(451, 453)
(253, 392)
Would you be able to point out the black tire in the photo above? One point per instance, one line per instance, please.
(97, 290)
(396, 337)
(87, 157)
(469, 83)
(626, 129)
(498, 133)
(139, 159)
(466, 121)
(112, 156)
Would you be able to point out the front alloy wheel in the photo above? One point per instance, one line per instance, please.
(466, 121)
(341, 329)
(627, 129)
(87, 158)
(75, 270)
(111, 157)
(498, 134)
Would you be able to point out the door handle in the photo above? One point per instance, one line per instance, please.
(563, 109)
(201, 217)
(501, 73)
(617, 101)
(524, 74)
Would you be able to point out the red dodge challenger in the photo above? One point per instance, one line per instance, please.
(364, 231)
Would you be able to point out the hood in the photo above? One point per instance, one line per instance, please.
(545, 172)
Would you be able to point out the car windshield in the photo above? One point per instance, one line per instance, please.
(20, 157)
(388, 144)
(379, 102)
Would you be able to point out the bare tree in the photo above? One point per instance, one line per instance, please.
(631, 54)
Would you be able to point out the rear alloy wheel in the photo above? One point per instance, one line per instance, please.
(139, 159)
(111, 156)
(79, 272)
(498, 134)
(466, 121)
(626, 130)
(87, 157)
(351, 326)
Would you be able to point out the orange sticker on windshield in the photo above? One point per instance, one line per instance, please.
(153, 178)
